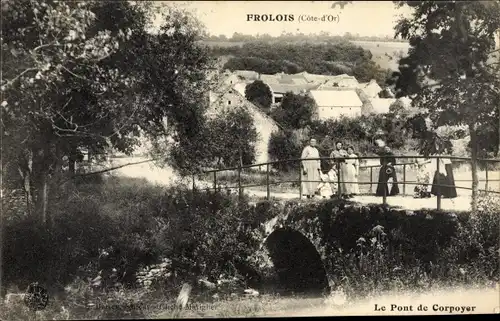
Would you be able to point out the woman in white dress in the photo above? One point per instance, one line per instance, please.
(352, 168)
(311, 169)
(425, 171)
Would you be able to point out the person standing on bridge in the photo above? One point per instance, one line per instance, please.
(352, 170)
(443, 182)
(387, 174)
(424, 173)
(338, 157)
(311, 169)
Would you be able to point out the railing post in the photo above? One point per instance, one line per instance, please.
(215, 181)
(438, 206)
(267, 183)
(194, 186)
(371, 179)
(300, 179)
(404, 179)
(486, 183)
(240, 192)
(384, 196)
(337, 162)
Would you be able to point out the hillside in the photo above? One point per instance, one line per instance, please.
(384, 53)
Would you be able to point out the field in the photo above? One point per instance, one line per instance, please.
(384, 53)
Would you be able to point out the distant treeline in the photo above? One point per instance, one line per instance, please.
(327, 59)
(239, 37)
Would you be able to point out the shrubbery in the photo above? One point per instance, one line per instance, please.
(359, 132)
(375, 248)
(124, 227)
(283, 145)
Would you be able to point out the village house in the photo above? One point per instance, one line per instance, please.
(332, 104)
(343, 80)
(381, 105)
(229, 98)
(371, 89)
(281, 83)
(279, 90)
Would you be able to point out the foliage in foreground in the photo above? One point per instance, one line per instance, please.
(124, 227)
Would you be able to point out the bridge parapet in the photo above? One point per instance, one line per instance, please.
(326, 230)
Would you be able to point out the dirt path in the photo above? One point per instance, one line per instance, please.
(453, 301)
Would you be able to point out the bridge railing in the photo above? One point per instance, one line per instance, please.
(267, 170)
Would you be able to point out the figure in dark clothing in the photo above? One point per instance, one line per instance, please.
(387, 175)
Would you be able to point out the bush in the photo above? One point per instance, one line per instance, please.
(127, 224)
(295, 111)
(260, 94)
(362, 131)
(282, 146)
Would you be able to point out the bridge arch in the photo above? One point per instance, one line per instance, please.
(297, 262)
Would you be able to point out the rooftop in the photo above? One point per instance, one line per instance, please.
(296, 89)
(336, 98)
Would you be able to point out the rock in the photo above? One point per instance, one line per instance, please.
(207, 284)
(96, 282)
(13, 298)
(155, 271)
(183, 297)
(338, 298)
(148, 282)
(251, 292)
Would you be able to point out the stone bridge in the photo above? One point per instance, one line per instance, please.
(303, 243)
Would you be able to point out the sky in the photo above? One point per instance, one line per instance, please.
(366, 18)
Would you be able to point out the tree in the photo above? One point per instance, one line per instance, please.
(259, 94)
(233, 137)
(219, 143)
(449, 70)
(282, 146)
(84, 75)
(295, 111)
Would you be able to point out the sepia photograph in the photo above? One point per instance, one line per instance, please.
(217, 159)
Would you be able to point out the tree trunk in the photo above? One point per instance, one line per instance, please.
(26, 177)
(41, 199)
(25, 171)
(71, 166)
(474, 152)
(72, 160)
(498, 147)
(42, 167)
